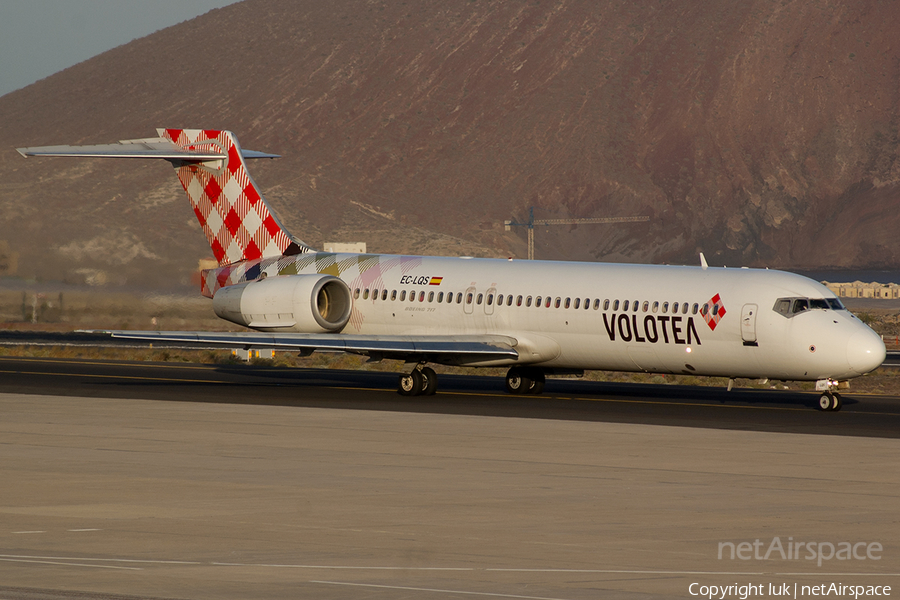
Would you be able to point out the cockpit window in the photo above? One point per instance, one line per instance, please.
(794, 306)
(799, 305)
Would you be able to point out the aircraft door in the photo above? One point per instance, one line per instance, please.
(469, 301)
(748, 323)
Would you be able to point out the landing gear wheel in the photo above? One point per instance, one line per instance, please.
(830, 402)
(517, 381)
(537, 381)
(838, 402)
(421, 382)
(412, 384)
(430, 381)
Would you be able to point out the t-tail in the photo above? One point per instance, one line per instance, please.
(237, 221)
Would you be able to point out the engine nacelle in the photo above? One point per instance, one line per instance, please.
(301, 303)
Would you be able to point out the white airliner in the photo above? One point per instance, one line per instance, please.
(537, 317)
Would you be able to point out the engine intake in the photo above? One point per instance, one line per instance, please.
(301, 303)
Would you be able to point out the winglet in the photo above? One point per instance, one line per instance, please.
(703, 264)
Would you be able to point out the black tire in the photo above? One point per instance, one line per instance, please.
(537, 381)
(826, 402)
(517, 381)
(412, 384)
(431, 381)
(838, 402)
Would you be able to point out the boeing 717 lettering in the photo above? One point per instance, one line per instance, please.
(536, 317)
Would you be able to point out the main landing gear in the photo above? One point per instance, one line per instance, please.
(421, 382)
(525, 380)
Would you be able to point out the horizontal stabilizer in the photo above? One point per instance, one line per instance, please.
(144, 148)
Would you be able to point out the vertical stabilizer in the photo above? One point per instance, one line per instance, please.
(229, 205)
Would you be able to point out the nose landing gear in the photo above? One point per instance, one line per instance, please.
(830, 401)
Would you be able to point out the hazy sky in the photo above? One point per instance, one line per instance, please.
(40, 37)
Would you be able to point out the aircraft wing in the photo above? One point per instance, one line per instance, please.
(462, 348)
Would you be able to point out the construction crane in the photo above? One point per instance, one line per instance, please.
(531, 223)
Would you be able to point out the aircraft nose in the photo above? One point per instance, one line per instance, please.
(865, 351)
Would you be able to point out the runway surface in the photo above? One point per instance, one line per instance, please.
(567, 399)
(194, 481)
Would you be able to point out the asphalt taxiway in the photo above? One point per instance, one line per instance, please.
(196, 481)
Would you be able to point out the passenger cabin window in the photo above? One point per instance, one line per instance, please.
(480, 298)
(402, 295)
(393, 295)
(625, 305)
(528, 301)
(431, 296)
(646, 306)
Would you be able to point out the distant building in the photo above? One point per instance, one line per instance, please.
(356, 247)
(859, 289)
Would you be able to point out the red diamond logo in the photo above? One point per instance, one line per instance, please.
(713, 311)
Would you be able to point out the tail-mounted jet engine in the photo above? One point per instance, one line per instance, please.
(301, 303)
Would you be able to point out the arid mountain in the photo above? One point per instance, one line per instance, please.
(763, 133)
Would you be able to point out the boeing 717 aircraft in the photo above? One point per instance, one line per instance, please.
(536, 317)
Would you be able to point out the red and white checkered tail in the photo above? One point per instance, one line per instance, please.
(232, 212)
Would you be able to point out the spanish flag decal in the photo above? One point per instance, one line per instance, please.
(436, 281)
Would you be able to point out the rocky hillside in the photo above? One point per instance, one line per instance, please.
(763, 133)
